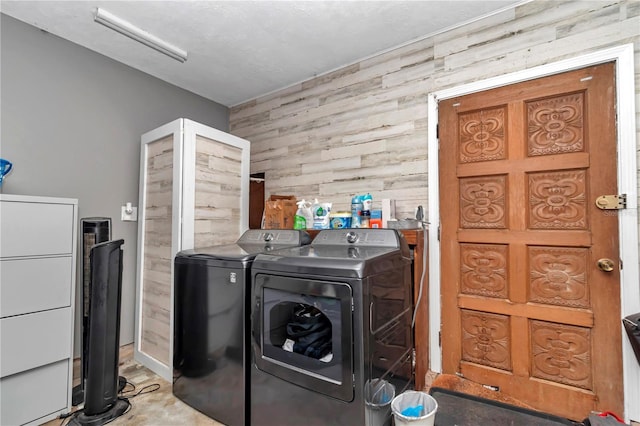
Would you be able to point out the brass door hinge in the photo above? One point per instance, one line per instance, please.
(612, 202)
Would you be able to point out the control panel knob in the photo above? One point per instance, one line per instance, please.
(352, 237)
(268, 236)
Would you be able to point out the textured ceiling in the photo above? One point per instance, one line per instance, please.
(239, 50)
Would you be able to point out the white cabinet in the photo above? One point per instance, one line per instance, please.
(37, 286)
(194, 192)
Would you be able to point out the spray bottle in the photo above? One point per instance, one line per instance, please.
(304, 216)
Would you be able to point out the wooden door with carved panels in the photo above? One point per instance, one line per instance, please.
(525, 306)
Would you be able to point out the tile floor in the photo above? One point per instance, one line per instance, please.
(157, 408)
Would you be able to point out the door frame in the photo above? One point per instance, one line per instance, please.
(627, 184)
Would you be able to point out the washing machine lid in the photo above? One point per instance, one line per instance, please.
(228, 252)
(250, 244)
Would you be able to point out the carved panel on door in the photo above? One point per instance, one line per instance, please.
(482, 135)
(486, 339)
(555, 125)
(561, 353)
(558, 276)
(483, 202)
(558, 200)
(483, 270)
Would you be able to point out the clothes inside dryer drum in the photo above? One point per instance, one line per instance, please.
(310, 331)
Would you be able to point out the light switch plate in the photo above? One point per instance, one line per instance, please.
(129, 217)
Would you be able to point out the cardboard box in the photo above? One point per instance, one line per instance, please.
(279, 212)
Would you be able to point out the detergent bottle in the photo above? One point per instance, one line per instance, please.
(304, 216)
(321, 215)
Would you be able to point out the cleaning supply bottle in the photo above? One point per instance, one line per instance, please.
(367, 202)
(356, 211)
(308, 214)
(365, 216)
(321, 215)
(303, 218)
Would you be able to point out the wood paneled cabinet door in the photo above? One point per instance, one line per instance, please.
(525, 306)
(194, 192)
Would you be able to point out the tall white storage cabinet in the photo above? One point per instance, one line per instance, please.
(194, 192)
(37, 288)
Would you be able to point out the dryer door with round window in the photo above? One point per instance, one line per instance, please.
(302, 331)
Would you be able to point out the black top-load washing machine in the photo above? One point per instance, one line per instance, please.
(211, 322)
(331, 323)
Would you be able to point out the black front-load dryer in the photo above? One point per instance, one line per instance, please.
(331, 339)
(210, 340)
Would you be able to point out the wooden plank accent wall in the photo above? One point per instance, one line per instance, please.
(156, 285)
(363, 128)
(218, 183)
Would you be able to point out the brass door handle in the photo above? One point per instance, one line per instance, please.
(606, 265)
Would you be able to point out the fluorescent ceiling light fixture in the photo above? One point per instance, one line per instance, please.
(123, 27)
